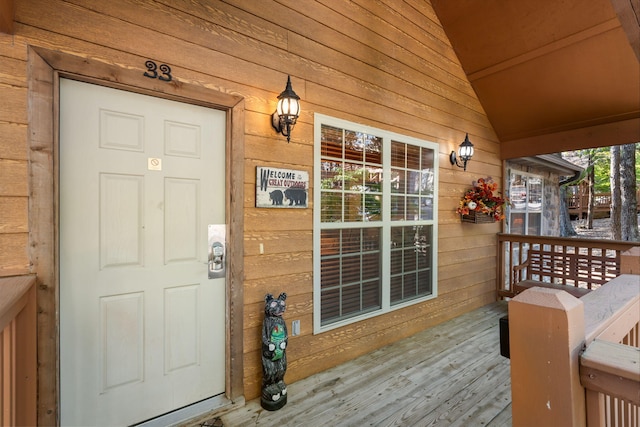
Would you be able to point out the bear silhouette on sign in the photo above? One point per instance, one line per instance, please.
(297, 196)
(276, 197)
(274, 356)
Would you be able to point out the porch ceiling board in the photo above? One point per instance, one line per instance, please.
(550, 72)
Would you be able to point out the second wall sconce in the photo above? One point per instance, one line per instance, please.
(287, 111)
(465, 152)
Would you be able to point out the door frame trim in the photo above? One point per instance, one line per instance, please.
(45, 67)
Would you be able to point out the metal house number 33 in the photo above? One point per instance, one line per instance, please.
(152, 71)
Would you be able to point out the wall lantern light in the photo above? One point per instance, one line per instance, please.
(287, 111)
(465, 152)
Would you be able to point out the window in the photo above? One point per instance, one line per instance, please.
(375, 217)
(525, 214)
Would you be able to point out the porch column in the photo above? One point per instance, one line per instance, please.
(546, 332)
(630, 261)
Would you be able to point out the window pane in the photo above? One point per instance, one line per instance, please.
(331, 206)
(331, 175)
(330, 272)
(330, 242)
(353, 176)
(413, 182)
(396, 261)
(370, 266)
(426, 208)
(371, 239)
(373, 151)
(331, 142)
(397, 208)
(398, 154)
(425, 285)
(409, 288)
(371, 295)
(535, 194)
(330, 302)
(353, 210)
(351, 300)
(517, 223)
(413, 208)
(372, 179)
(354, 145)
(535, 224)
(398, 181)
(396, 288)
(413, 157)
(351, 241)
(428, 156)
(372, 207)
(351, 269)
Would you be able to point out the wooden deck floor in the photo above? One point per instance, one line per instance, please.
(448, 375)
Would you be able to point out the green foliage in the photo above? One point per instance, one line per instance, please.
(600, 159)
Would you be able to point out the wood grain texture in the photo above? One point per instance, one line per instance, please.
(14, 215)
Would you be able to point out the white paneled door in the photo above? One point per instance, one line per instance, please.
(142, 327)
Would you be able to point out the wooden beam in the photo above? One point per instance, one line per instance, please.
(616, 133)
(7, 12)
(628, 12)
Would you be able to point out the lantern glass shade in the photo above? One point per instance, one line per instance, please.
(465, 152)
(288, 107)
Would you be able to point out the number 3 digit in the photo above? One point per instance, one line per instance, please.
(166, 73)
(151, 69)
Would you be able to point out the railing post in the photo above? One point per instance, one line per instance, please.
(630, 261)
(546, 334)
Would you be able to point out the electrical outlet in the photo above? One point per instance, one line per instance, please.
(295, 328)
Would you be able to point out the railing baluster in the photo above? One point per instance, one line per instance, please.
(587, 263)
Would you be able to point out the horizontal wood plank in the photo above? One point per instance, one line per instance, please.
(13, 107)
(14, 178)
(14, 213)
(14, 257)
(11, 146)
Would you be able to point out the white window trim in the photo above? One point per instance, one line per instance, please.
(386, 223)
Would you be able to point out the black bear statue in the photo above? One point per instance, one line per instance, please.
(274, 356)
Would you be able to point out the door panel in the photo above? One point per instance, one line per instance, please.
(142, 327)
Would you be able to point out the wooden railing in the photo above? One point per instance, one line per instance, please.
(18, 370)
(578, 204)
(610, 365)
(576, 362)
(584, 263)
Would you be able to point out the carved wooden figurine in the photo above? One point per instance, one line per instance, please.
(274, 357)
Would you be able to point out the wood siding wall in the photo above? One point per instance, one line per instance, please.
(383, 63)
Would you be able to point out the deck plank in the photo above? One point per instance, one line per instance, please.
(451, 374)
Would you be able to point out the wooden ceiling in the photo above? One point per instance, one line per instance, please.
(552, 75)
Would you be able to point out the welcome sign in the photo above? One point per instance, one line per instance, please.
(281, 188)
